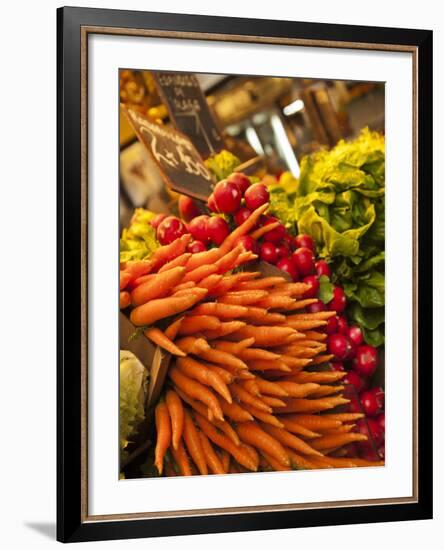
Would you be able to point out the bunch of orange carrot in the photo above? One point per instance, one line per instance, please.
(239, 396)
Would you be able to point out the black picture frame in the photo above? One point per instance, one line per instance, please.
(71, 524)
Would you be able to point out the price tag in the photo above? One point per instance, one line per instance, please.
(179, 162)
(189, 110)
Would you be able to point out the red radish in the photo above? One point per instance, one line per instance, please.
(313, 282)
(241, 215)
(380, 419)
(283, 250)
(157, 220)
(342, 325)
(354, 379)
(227, 197)
(375, 431)
(188, 209)
(268, 253)
(289, 241)
(212, 203)
(366, 449)
(249, 244)
(241, 180)
(198, 227)
(303, 260)
(337, 365)
(256, 195)
(196, 246)
(338, 345)
(332, 325)
(287, 265)
(366, 360)
(355, 335)
(372, 401)
(170, 229)
(217, 230)
(316, 307)
(339, 300)
(351, 450)
(275, 235)
(354, 406)
(352, 351)
(381, 451)
(322, 268)
(304, 241)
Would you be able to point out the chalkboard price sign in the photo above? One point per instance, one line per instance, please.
(178, 160)
(189, 110)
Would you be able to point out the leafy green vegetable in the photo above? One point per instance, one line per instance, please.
(139, 240)
(340, 202)
(133, 382)
(325, 289)
(222, 164)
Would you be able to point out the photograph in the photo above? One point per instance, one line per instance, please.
(252, 274)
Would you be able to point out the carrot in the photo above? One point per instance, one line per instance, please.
(295, 361)
(200, 273)
(211, 281)
(297, 289)
(263, 416)
(141, 280)
(305, 325)
(193, 444)
(243, 297)
(180, 261)
(272, 402)
(125, 278)
(192, 344)
(245, 397)
(260, 284)
(222, 311)
(224, 329)
(345, 428)
(265, 336)
(275, 464)
(244, 257)
(176, 412)
(163, 429)
(125, 299)
(234, 348)
(321, 359)
(274, 364)
(163, 307)
(139, 268)
(297, 390)
(159, 338)
(343, 417)
(183, 286)
(256, 314)
(222, 358)
(197, 391)
(243, 229)
(324, 391)
(314, 422)
(312, 405)
(169, 252)
(235, 412)
(237, 452)
(181, 458)
(203, 258)
(251, 387)
(301, 304)
(299, 462)
(270, 388)
(270, 318)
(333, 441)
(294, 427)
(225, 459)
(201, 409)
(198, 371)
(251, 354)
(290, 440)
(213, 461)
(261, 231)
(196, 323)
(276, 302)
(318, 377)
(228, 260)
(319, 316)
(172, 329)
(225, 374)
(252, 434)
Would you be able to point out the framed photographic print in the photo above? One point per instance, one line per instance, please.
(244, 282)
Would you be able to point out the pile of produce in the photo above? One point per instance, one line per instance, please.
(256, 382)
